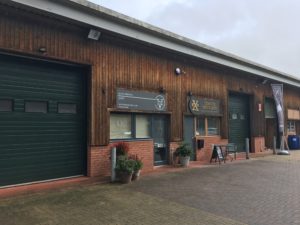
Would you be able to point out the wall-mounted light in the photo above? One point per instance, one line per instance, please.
(259, 106)
(264, 81)
(94, 34)
(179, 71)
(42, 50)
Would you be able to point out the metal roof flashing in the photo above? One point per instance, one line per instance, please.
(97, 16)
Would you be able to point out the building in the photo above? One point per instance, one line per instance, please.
(75, 78)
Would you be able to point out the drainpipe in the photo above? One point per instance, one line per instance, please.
(247, 147)
(274, 145)
(113, 164)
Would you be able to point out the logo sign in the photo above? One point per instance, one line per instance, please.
(160, 102)
(204, 106)
(139, 100)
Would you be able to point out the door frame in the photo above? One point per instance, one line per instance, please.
(194, 157)
(167, 139)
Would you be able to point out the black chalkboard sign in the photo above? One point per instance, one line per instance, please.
(217, 154)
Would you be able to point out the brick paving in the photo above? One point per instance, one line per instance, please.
(259, 191)
(103, 205)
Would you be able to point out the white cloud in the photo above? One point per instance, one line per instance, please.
(262, 31)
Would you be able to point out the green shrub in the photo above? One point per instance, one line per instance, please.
(184, 150)
(125, 165)
(138, 164)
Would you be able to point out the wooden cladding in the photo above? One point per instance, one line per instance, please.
(119, 63)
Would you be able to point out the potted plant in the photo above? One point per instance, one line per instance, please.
(124, 169)
(184, 151)
(137, 168)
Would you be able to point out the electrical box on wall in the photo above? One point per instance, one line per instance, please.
(200, 144)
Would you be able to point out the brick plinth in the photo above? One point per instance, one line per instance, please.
(204, 154)
(258, 145)
(99, 162)
(144, 150)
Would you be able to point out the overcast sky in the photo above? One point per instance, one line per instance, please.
(266, 32)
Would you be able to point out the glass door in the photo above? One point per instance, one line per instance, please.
(160, 139)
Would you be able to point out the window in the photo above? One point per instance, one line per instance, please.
(6, 105)
(37, 107)
(128, 126)
(213, 126)
(120, 126)
(208, 126)
(291, 127)
(67, 108)
(142, 126)
(200, 126)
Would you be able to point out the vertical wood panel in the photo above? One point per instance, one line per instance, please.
(120, 63)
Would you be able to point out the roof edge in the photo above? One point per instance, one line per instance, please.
(107, 19)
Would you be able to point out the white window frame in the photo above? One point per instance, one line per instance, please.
(291, 127)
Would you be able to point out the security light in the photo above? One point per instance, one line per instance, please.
(177, 71)
(94, 34)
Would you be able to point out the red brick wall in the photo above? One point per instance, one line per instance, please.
(258, 144)
(204, 154)
(99, 162)
(144, 150)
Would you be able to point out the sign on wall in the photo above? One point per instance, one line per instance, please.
(140, 100)
(204, 106)
(293, 114)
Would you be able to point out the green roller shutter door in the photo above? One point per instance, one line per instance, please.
(42, 145)
(270, 109)
(239, 120)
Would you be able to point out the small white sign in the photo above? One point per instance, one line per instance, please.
(94, 34)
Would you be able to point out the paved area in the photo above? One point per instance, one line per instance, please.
(103, 205)
(259, 191)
